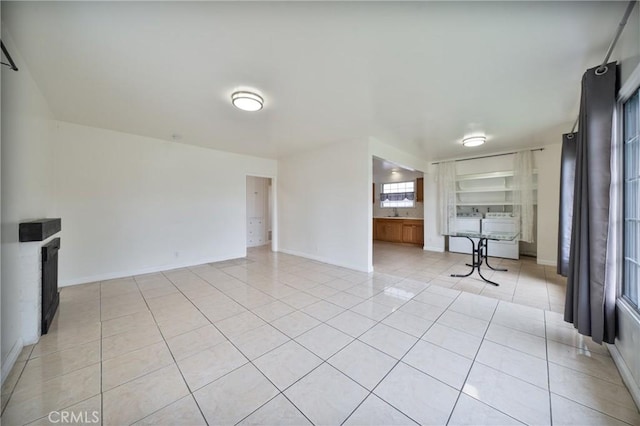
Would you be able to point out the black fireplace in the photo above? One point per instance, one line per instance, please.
(40, 230)
(50, 294)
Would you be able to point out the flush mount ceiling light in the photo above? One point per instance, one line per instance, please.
(247, 101)
(473, 141)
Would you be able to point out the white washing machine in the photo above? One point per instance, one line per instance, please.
(469, 222)
(502, 222)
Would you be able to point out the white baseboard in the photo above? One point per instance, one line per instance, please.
(546, 262)
(142, 271)
(325, 260)
(627, 377)
(12, 356)
(434, 248)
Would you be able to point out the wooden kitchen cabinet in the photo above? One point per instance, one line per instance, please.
(398, 230)
(420, 190)
(412, 232)
(388, 230)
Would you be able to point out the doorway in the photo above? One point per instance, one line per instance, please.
(259, 211)
(398, 211)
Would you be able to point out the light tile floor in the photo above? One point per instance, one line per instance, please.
(275, 339)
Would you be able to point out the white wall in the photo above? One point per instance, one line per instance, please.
(26, 194)
(131, 204)
(324, 204)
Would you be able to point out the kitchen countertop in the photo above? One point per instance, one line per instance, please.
(399, 217)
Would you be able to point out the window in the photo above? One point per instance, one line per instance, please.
(399, 194)
(631, 275)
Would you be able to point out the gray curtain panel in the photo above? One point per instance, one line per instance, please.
(567, 182)
(589, 305)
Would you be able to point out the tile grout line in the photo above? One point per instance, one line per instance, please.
(175, 362)
(515, 349)
(157, 369)
(235, 369)
(64, 408)
(593, 409)
(16, 384)
(378, 321)
(474, 362)
(29, 358)
(620, 385)
(305, 291)
(546, 347)
(399, 360)
(569, 368)
(326, 361)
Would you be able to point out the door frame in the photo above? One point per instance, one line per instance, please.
(274, 212)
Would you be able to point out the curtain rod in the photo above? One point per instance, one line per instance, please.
(603, 66)
(489, 156)
(11, 64)
(623, 22)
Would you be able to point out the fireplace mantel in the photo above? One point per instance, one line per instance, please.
(39, 230)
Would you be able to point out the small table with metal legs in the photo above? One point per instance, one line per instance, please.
(479, 253)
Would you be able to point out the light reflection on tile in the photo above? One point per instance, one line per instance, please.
(316, 331)
(35, 401)
(471, 412)
(514, 397)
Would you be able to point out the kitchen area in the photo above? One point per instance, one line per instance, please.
(398, 204)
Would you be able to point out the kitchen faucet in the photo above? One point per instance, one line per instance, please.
(395, 212)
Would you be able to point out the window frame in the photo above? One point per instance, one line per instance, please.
(413, 202)
(634, 305)
(626, 92)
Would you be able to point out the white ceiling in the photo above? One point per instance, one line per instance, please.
(415, 75)
(383, 169)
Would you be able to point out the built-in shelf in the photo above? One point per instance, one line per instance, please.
(498, 203)
(490, 175)
(460, 191)
(488, 203)
(487, 189)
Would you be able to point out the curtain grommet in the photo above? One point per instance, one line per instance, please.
(601, 70)
(570, 136)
